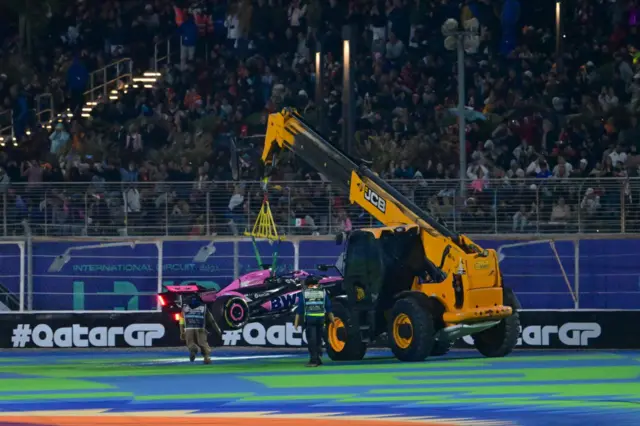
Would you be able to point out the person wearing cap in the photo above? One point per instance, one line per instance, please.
(314, 306)
(193, 320)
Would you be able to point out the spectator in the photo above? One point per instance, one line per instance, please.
(59, 139)
(344, 223)
(618, 156)
(509, 19)
(562, 169)
(130, 174)
(522, 216)
(132, 199)
(576, 117)
(590, 203)
(314, 16)
(236, 204)
(561, 212)
(608, 99)
(378, 24)
(20, 113)
(232, 24)
(245, 16)
(77, 79)
(33, 171)
(296, 14)
(395, 48)
(134, 145)
(5, 181)
(189, 39)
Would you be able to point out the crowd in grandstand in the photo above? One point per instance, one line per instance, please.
(544, 115)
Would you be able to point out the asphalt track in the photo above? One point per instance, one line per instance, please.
(248, 387)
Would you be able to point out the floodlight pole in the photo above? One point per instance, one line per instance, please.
(451, 29)
(558, 26)
(319, 95)
(348, 102)
(462, 122)
(559, 35)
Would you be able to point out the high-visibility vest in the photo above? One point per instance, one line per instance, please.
(204, 23)
(194, 318)
(180, 18)
(314, 302)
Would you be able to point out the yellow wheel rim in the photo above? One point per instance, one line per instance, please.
(398, 322)
(336, 344)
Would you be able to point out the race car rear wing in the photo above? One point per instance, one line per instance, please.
(172, 295)
(184, 288)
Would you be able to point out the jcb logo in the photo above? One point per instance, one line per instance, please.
(375, 199)
(481, 264)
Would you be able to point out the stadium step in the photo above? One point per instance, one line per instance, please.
(147, 80)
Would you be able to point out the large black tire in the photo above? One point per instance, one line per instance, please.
(231, 313)
(343, 341)
(441, 347)
(499, 340)
(411, 331)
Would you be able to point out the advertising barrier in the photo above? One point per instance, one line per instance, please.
(133, 330)
(575, 329)
(602, 274)
(539, 330)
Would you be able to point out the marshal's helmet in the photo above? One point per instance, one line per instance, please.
(311, 281)
(195, 301)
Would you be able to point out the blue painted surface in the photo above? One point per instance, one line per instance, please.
(126, 278)
(609, 271)
(10, 267)
(459, 405)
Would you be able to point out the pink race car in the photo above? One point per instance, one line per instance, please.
(256, 295)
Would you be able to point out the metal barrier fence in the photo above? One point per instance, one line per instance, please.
(202, 207)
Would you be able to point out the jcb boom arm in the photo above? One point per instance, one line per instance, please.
(288, 129)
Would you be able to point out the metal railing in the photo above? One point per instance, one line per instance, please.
(166, 52)
(41, 114)
(109, 78)
(44, 108)
(202, 207)
(6, 125)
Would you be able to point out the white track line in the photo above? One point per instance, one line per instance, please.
(185, 359)
(339, 417)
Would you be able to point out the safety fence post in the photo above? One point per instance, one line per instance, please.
(576, 272)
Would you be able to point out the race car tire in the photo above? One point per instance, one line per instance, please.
(441, 347)
(343, 339)
(499, 340)
(231, 312)
(411, 330)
